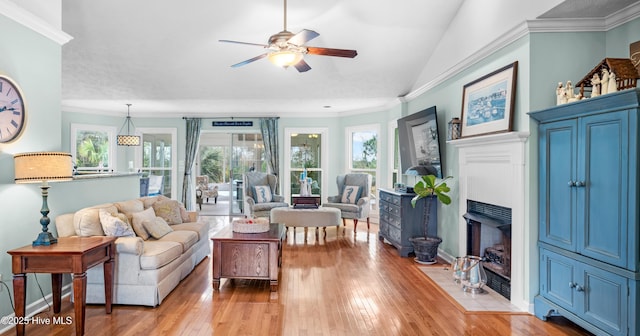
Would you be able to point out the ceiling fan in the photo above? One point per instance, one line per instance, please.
(288, 49)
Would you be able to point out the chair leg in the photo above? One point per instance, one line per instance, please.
(368, 223)
(344, 222)
(355, 224)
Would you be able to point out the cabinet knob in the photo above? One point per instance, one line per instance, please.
(579, 288)
(572, 284)
(581, 184)
(572, 184)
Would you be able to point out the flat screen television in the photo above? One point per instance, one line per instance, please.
(419, 143)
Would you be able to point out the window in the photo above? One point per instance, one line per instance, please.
(306, 150)
(363, 151)
(93, 147)
(394, 155)
(158, 157)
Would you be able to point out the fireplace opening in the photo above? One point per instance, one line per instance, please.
(489, 237)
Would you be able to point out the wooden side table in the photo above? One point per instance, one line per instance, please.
(70, 255)
(248, 255)
(306, 202)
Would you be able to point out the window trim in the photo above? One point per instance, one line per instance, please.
(349, 139)
(111, 132)
(324, 160)
(174, 154)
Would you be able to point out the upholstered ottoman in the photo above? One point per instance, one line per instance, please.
(318, 218)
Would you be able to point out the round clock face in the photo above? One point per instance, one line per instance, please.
(12, 112)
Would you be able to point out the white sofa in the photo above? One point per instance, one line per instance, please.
(146, 270)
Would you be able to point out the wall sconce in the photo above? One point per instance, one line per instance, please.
(43, 167)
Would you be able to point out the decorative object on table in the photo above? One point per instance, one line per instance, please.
(43, 167)
(488, 102)
(250, 225)
(454, 128)
(13, 121)
(419, 141)
(305, 184)
(425, 247)
(610, 75)
(128, 139)
(472, 276)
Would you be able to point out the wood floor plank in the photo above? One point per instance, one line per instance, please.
(343, 284)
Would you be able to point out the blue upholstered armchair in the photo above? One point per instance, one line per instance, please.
(260, 197)
(353, 199)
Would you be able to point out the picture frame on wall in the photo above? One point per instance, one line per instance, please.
(488, 103)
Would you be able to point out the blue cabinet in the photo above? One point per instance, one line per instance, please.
(588, 212)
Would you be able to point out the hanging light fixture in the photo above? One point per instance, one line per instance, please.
(128, 139)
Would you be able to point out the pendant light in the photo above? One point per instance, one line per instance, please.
(128, 139)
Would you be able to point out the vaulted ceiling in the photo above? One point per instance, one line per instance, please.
(163, 56)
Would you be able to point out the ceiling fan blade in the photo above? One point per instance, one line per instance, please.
(303, 37)
(332, 52)
(249, 60)
(302, 66)
(247, 43)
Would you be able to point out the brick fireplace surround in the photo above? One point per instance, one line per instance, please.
(492, 170)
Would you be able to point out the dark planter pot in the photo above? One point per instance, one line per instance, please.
(426, 249)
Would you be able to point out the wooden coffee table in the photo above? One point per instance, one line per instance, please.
(248, 255)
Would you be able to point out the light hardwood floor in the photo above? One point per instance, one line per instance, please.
(341, 285)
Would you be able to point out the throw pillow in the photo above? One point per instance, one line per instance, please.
(351, 194)
(262, 194)
(114, 226)
(136, 222)
(157, 227)
(169, 210)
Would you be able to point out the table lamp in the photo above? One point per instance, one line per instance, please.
(42, 167)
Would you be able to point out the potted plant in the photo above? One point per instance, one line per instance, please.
(426, 247)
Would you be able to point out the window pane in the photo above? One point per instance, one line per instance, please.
(156, 150)
(92, 150)
(364, 148)
(305, 150)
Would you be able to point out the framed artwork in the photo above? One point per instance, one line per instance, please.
(487, 102)
(419, 143)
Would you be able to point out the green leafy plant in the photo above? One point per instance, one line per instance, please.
(427, 186)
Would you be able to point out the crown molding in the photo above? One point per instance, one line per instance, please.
(614, 20)
(33, 22)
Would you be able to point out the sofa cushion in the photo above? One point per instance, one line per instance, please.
(129, 207)
(114, 226)
(156, 227)
(159, 253)
(148, 201)
(86, 221)
(169, 210)
(202, 229)
(262, 194)
(185, 238)
(136, 222)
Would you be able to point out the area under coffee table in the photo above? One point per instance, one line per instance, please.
(306, 218)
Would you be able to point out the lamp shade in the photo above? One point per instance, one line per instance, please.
(43, 166)
(128, 140)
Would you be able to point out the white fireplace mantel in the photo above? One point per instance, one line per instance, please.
(491, 169)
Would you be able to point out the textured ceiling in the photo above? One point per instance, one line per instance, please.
(164, 57)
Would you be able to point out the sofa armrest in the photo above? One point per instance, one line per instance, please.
(130, 245)
(278, 198)
(363, 200)
(193, 216)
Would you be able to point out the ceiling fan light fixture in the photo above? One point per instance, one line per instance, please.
(285, 58)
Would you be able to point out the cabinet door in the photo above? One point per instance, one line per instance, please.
(602, 188)
(558, 156)
(557, 279)
(603, 298)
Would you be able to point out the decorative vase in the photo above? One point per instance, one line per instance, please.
(426, 249)
(474, 276)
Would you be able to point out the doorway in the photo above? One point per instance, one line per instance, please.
(224, 158)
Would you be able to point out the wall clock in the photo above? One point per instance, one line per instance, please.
(12, 110)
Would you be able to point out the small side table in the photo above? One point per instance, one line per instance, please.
(306, 202)
(70, 255)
